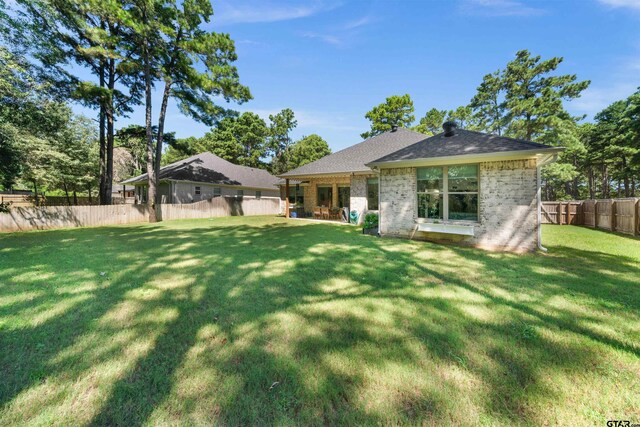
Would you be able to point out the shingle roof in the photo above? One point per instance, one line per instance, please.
(354, 158)
(464, 142)
(209, 168)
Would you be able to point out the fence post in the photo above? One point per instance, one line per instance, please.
(595, 214)
(613, 215)
(636, 226)
(559, 213)
(568, 213)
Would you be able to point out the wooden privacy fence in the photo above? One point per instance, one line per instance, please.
(45, 217)
(620, 215)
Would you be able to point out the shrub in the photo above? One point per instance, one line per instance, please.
(371, 220)
(5, 207)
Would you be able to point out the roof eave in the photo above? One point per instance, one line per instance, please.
(326, 174)
(470, 158)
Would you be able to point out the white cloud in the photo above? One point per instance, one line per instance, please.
(339, 35)
(632, 4)
(327, 38)
(251, 11)
(361, 22)
(498, 8)
(623, 82)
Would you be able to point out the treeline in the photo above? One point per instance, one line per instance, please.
(110, 55)
(246, 139)
(526, 100)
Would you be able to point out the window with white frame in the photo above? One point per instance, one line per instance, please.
(258, 194)
(197, 191)
(448, 192)
(217, 192)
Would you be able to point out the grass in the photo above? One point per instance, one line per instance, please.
(263, 321)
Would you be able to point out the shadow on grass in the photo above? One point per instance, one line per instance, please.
(263, 321)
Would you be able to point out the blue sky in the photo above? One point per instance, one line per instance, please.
(331, 61)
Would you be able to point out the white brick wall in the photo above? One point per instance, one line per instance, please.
(507, 208)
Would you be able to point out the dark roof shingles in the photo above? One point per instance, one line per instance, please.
(209, 168)
(464, 142)
(354, 158)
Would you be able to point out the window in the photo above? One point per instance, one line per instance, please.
(296, 195)
(344, 197)
(197, 190)
(372, 193)
(325, 195)
(240, 193)
(258, 194)
(217, 192)
(448, 192)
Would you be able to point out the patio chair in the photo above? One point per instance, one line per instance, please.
(317, 212)
(325, 213)
(334, 213)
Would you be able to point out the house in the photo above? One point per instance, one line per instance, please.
(343, 179)
(204, 176)
(460, 185)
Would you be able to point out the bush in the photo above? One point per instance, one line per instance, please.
(371, 220)
(5, 207)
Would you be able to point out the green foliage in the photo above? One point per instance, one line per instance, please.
(308, 149)
(533, 95)
(488, 106)
(370, 220)
(431, 123)
(395, 111)
(5, 207)
(279, 140)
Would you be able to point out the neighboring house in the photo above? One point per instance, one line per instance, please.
(204, 176)
(120, 191)
(459, 185)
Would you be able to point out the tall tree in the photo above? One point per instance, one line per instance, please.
(308, 149)
(90, 34)
(241, 140)
(395, 111)
(185, 44)
(431, 123)
(280, 140)
(463, 116)
(533, 95)
(488, 104)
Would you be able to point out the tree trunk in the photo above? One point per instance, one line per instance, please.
(605, 182)
(161, 119)
(89, 191)
(35, 193)
(110, 131)
(75, 197)
(66, 192)
(151, 173)
(102, 191)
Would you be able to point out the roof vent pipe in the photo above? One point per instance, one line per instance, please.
(449, 128)
(394, 128)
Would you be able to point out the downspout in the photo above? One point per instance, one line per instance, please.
(539, 200)
(379, 200)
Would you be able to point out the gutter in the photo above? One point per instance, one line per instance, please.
(468, 158)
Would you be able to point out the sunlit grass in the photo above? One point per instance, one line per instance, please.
(265, 321)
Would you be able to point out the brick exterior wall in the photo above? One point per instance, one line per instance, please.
(507, 211)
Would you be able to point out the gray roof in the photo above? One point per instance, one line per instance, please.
(354, 158)
(211, 169)
(464, 142)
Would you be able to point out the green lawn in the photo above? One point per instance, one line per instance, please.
(261, 321)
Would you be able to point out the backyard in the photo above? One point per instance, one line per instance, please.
(263, 320)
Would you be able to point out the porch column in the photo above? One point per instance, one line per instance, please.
(334, 195)
(286, 198)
